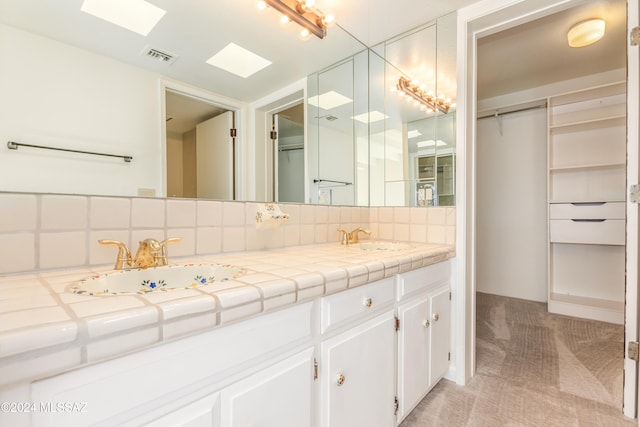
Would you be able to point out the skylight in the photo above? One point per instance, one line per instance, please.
(370, 117)
(138, 16)
(329, 100)
(431, 143)
(238, 60)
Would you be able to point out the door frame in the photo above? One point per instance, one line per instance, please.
(475, 21)
(239, 110)
(264, 109)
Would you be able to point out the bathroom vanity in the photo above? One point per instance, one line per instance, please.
(319, 335)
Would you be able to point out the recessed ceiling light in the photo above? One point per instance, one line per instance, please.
(138, 16)
(370, 117)
(413, 133)
(238, 60)
(329, 100)
(586, 32)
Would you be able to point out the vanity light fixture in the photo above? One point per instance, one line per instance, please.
(587, 32)
(303, 13)
(426, 100)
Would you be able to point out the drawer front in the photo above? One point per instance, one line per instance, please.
(422, 279)
(606, 210)
(355, 302)
(603, 232)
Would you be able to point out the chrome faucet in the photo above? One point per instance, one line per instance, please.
(348, 238)
(151, 253)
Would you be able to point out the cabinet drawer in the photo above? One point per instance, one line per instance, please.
(603, 232)
(605, 210)
(423, 278)
(354, 302)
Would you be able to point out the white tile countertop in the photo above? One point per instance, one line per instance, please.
(45, 330)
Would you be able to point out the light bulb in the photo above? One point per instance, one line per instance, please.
(262, 5)
(328, 19)
(305, 34)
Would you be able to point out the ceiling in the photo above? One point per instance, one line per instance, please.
(536, 53)
(529, 55)
(194, 30)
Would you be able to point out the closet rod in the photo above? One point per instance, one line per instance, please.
(14, 146)
(329, 180)
(290, 148)
(519, 110)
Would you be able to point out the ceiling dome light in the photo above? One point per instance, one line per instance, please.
(586, 32)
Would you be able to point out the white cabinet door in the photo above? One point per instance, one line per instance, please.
(278, 396)
(413, 354)
(357, 372)
(204, 412)
(423, 346)
(440, 310)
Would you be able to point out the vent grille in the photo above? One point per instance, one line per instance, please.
(160, 56)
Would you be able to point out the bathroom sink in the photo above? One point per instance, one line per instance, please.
(155, 279)
(380, 246)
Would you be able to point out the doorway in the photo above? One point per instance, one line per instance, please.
(201, 153)
(477, 24)
(289, 154)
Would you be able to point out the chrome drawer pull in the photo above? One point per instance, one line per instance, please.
(588, 220)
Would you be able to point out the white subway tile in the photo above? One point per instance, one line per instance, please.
(121, 321)
(63, 212)
(385, 231)
(17, 252)
(233, 214)
(307, 234)
(418, 233)
(293, 211)
(436, 234)
(437, 216)
(148, 213)
(209, 212)
(307, 214)
(187, 244)
(233, 239)
(385, 215)
(322, 214)
(401, 232)
(291, 235)
(18, 212)
(109, 212)
(255, 239)
(64, 249)
(321, 233)
(181, 213)
(419, 215)
(401, 215)
(334, 215)
(209, 240)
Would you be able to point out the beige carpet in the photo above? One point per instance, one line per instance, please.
(533, 369)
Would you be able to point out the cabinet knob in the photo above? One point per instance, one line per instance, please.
(426, 323)
(436, 317)
(368, 302)
(340, 379)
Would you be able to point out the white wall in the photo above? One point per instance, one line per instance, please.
(57, 95)
(511, 214)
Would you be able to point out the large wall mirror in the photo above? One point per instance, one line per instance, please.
(80, 83)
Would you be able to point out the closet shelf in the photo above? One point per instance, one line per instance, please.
(586, 124)
(587, 167)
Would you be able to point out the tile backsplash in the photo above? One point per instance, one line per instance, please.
(43, 231)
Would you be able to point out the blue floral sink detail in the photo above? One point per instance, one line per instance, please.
(141, 281)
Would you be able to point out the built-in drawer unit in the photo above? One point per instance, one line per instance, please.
(587, 231)
(415, 281)
(344, 306)
(595, 210)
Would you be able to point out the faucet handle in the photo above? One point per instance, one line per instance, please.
(344, 236)
(162, 259)
(353, 236)
(124, 256)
